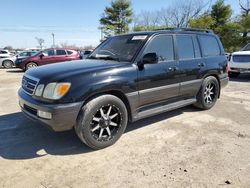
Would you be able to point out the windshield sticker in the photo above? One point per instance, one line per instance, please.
(139, 37)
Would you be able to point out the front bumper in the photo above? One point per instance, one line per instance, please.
(64, 116)
(239, 70)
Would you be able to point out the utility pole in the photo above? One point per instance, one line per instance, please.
(53, 35)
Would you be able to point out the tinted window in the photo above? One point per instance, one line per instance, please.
(4, 52)
(185, 47)
(87, 52)
(49, 53)
(69, 52)
(241, 58)
(162, 46)
(60, 52)
(210, 46)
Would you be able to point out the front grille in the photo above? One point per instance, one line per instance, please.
(29, 84)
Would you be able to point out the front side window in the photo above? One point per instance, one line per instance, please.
(23, 54)
(119, 48)
(60, 52)
(49, 53)
(210, 45)
(162, 45)
(185, 46)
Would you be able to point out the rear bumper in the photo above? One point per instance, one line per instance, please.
(63, 115)
(239, 70)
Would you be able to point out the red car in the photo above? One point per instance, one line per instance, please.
(48, 56)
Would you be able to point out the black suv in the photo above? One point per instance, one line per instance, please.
(126, 78)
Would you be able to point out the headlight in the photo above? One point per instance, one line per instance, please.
(53, 90)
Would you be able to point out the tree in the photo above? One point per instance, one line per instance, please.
(40, 42)
(204, 21)
(245, 20)
(221, 13)
(177, 15)
(8, 48)
(116, 18)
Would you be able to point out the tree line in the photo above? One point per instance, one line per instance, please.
(233, 30)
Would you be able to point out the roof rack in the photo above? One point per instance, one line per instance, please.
(186, 29)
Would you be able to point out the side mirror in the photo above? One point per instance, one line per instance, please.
(150, 58)
(41, 55)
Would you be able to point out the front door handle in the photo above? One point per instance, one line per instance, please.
(172, 69)
(200, 65)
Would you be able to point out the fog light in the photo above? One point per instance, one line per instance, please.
(45, 115)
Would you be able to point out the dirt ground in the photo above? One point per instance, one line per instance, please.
(182, 148)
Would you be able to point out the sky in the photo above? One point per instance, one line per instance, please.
(72, 22)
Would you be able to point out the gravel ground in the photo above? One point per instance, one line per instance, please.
(182, 148)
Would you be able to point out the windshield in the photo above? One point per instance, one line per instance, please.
(246, 48)
(119, 48)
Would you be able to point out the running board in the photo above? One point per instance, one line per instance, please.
(164, 108)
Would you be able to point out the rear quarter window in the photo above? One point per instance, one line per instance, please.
(69, 52)
(209, 45)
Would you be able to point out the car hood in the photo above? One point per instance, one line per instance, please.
(63, 70)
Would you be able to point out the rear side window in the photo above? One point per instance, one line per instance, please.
(185, 46)
(210, 46)
(60, 52)
(163, 46)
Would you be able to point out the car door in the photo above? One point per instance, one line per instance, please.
(190, 64)
(61, 56)
(47, 57)
(158, 82)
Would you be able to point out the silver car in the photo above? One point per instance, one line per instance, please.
(9, 62)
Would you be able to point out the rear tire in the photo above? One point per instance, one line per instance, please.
(8, 64)
(102, 121)
(234, 74)
(208, 94)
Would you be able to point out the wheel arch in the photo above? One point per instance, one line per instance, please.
(117, 93)
(217, 78)
(7, 60)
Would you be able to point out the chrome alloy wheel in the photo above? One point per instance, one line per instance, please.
(106, 123)
(209, 93)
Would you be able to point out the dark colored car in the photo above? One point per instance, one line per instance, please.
(84, 53)
(126, 78)
(48, 56)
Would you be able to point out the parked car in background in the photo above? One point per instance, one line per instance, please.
(239, 63)
(48, 56)
(5, 53)
(84, 53)
(127, 78)
(246, 48)
(9, 62)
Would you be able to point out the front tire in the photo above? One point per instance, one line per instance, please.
(30, 65)
(208, 94)
(102, 121)
(8, 64)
